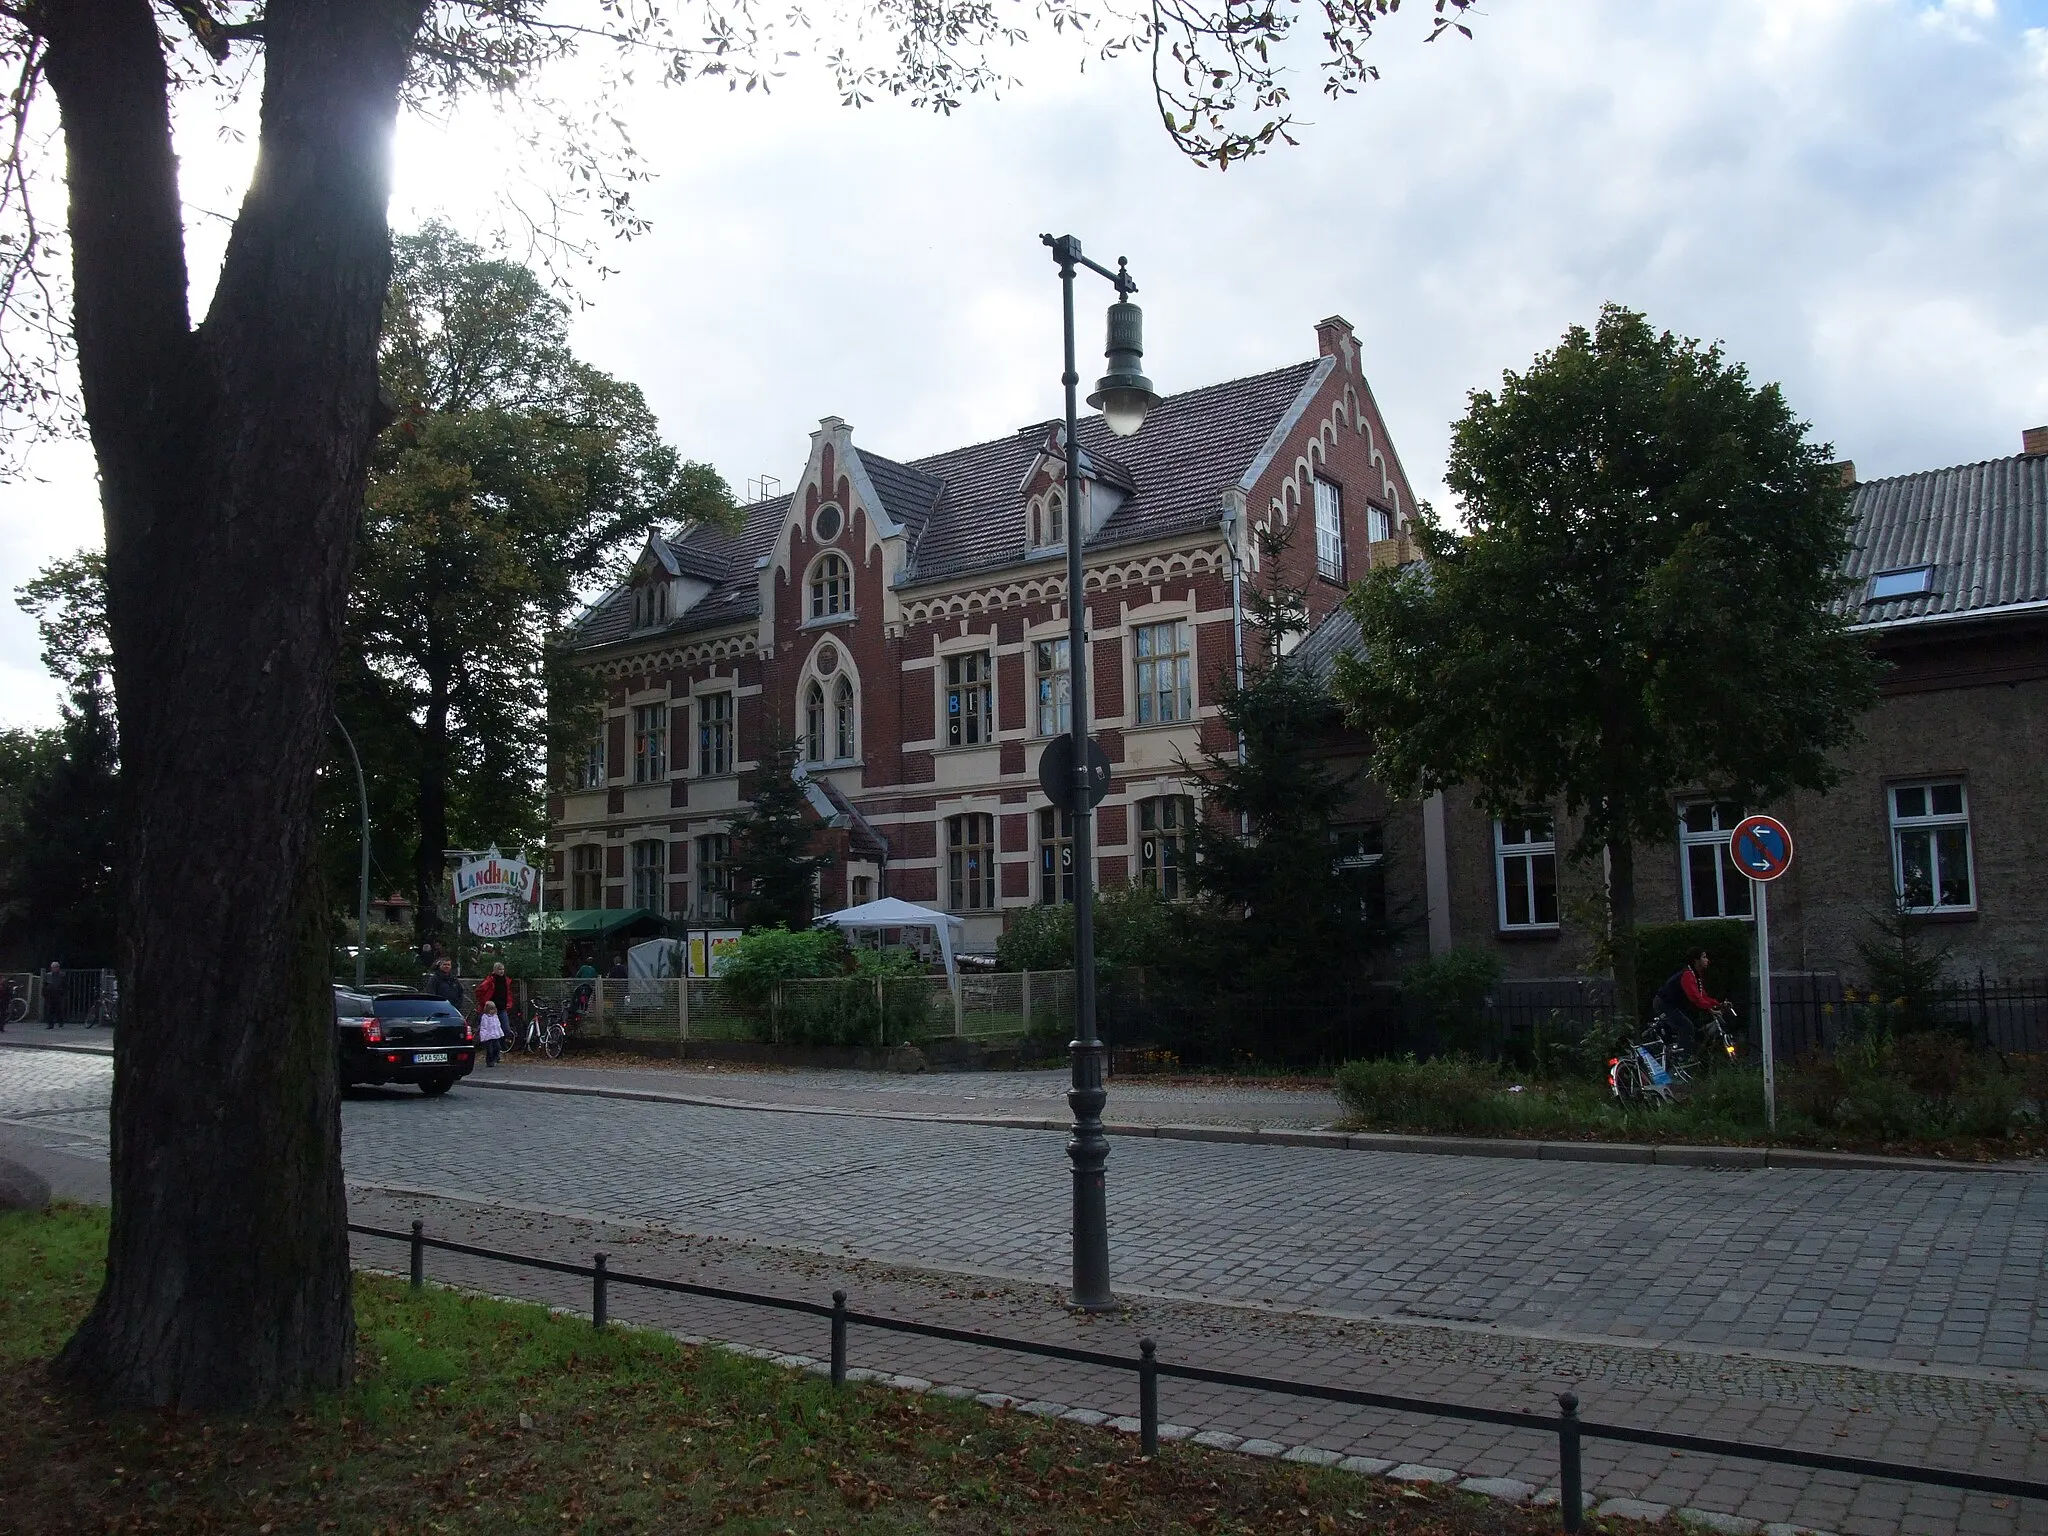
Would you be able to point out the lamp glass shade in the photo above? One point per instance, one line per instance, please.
(1123, 407)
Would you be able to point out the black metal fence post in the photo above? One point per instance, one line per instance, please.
(839, 1334)
(597, 1295)
(1148, 1398)
(419, 1255)
(1568, 1485)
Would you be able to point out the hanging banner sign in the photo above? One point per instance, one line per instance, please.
(495, 875)
(497, 917)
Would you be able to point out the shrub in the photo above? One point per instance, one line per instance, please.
(1881, 1108)
(768, 956)
(1931, 1063)
(1988, 1100)
(1037, 939)
(1447, 1092)
(1816, 1087)
(1132, 927)
(1449, 991)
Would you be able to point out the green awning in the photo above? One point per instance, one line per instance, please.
(600, 923)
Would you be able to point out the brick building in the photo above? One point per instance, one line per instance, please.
(1945, 797)
(906, 624)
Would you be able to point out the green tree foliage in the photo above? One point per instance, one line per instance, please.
(1644, 599)
(1291, 917)
(774, 869)
(59, 792)
(1133, 927)
(60, 788)
(513, 480)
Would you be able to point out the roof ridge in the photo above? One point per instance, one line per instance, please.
(1947, 469)
(1054, 421)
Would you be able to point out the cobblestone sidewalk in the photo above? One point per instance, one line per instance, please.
(1968, 1419)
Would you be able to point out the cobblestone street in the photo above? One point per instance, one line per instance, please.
(1898, 1313)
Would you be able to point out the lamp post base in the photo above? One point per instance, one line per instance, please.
(1088, 1149)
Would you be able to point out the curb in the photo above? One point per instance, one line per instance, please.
(1334, 1141)
(60, 1045)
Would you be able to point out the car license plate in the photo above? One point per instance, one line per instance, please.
(422, 1058)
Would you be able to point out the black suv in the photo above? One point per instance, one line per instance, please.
(403, 1037)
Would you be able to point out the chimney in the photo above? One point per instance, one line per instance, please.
(1334, 339)
(2034, 441)
(1846, 470)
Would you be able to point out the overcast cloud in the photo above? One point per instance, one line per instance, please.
(1848, 193)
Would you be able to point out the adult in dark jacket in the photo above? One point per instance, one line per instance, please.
(1681, 993)
(442, 982)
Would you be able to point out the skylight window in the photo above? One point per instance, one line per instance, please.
(1908, 581)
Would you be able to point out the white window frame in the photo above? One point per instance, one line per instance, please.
(968, 703)
(1166, 852)
(590, 773)
(1052, 687)
(714, 877)
(970, 862)
(814, 724)
(845, 720)
(586, 863)
(1163, 676)
(717, 733)
(1725, 816)
(830, 585)
(649, 874)
(1329, 499)
(1379, 523)
(1931, 823)
(1049, 520)
(650, 743)
(1515, 863)
(1053, 858)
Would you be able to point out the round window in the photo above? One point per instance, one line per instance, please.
(828, 659)
(827, 523)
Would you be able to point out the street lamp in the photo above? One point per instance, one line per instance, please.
(1123, 395)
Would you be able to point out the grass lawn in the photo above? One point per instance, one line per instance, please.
(473, 1415)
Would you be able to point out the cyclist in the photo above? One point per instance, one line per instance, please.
(1681, 993)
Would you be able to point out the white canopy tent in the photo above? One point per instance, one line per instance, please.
(892, 913)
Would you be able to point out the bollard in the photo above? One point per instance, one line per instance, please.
(419, 1255)
(1568, 1491)
(1148, 1398)
(597, 1296)
(839, 1334)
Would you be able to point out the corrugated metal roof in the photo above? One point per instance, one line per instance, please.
(1981, 529)
(962, 512)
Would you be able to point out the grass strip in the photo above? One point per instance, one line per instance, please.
(470, 1414)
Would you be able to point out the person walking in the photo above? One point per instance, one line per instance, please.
(53, 995)
(497, 988)
(443, 983)
(491, 1031)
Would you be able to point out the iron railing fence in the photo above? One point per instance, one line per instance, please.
(1566, 1424)
(89, 996)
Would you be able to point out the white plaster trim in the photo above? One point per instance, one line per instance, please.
(1287, 423)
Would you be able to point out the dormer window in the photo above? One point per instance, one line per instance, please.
(1049, 520)
(650, 604)
(831, 587)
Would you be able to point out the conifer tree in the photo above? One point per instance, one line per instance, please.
(774, 870)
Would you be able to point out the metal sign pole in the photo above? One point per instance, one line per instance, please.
(1762, 890)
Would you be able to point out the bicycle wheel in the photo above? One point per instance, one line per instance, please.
(17, 1010)
(551, 1041)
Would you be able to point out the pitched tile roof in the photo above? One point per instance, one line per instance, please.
(1981, 528)
(961, 510)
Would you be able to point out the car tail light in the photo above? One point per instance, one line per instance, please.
(468, 1033)
(372, 1034)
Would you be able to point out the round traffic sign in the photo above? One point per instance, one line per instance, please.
(1761, 847)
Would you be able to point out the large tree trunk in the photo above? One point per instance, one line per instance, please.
(232, 462)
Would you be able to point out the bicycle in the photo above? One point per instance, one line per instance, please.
(1653, 1070)
(544, 1033)
(17, 1010)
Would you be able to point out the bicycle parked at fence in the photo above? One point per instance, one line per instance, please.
(1654, 1069)
(544, 1032)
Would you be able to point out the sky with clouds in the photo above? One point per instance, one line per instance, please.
(1847, 193)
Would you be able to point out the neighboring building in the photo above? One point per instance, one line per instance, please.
(906, 624)
(1943, 798)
